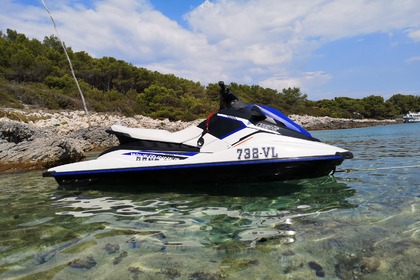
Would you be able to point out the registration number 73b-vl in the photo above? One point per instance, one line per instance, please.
(256, 153)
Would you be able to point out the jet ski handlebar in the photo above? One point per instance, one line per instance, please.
(227, 98)
(223, 87)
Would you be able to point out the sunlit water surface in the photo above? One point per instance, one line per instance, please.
(363, 224)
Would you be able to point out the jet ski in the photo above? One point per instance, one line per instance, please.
(236, 143)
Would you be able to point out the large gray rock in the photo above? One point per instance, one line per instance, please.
(16, 132)
(24, 147)
(94, 138)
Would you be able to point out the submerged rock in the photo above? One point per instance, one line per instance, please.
(203, 275)
(44, 256)
(416, 236)
(120, 257)
(355, 266)
(84, 263)
(112, 248)
(319, 271)
(369, 265)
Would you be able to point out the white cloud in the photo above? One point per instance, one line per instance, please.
(274, 35)
(305, 81)
(413, 59)
(281, 82)
(256, 41)
(414, 34)
(337, 19)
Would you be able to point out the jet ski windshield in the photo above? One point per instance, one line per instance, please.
(280, 117)
(261, 116)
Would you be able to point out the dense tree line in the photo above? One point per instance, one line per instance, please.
(37, 74)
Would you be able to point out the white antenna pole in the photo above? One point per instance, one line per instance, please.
(68, 58)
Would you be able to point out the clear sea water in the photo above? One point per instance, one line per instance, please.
(361, 224)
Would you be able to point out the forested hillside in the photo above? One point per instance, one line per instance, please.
(37, 74)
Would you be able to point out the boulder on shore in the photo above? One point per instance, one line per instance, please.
(24, 147)
(36, 139)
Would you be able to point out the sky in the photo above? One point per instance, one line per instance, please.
(327, 48)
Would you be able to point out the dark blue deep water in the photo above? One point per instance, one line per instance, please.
(361, 223)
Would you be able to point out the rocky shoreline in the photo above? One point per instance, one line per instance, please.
(37, 139)
(328, 123)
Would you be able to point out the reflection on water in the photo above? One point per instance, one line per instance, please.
(249, 213)
(44, 225)
(358, 225)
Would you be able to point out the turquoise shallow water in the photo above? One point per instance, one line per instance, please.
(363, 224)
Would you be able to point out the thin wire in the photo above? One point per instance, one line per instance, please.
(68, 58)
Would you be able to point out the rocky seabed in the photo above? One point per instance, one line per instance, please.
(44, 139)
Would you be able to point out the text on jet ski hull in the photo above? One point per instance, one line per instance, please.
(256, 153)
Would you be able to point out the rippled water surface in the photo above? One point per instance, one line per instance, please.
(359, 224)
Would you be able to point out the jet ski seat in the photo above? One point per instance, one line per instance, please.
(178, 137)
